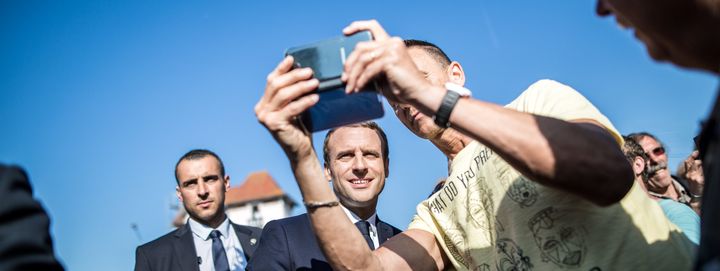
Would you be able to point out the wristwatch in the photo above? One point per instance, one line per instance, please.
(453, 94)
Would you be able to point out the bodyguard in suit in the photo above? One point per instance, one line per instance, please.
(356, 162)
(209, 240)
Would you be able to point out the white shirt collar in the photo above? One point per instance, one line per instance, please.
(203, 231)
(355, 218)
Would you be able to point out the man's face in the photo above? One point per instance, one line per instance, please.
(202, 189)
(657, 165)
(356, 166)
(421, 125)
(662, 25)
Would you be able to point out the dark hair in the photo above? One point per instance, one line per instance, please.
(199, 154)
(370, 125)
(631, 148)
(431, 49)
(640, 135)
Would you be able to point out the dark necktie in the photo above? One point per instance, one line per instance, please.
(218, 251)
(364, 228)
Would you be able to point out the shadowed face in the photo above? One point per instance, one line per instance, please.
(420, 124)
(675, 30)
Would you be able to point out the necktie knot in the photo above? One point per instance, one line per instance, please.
(215, 234)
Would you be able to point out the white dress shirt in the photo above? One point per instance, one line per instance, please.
(203, 245)
(373, 228)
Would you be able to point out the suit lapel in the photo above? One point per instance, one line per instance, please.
(247, 240)
(385, 232)
(184, 248)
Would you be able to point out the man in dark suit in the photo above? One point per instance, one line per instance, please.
(356, 162)
(209, 240)
(25, 242)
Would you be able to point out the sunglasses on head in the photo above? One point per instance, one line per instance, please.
(658, 151)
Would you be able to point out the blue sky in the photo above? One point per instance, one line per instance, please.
(98, 99)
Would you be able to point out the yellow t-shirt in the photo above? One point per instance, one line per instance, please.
(487, 216)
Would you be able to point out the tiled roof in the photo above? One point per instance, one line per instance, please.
(258, 185)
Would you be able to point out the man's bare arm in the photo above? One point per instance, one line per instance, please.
(287, 94)
(580, 158)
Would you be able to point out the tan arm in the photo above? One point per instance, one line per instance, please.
(287, 93)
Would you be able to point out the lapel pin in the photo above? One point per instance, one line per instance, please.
(253, 241)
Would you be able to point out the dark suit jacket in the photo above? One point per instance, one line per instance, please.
(290, 244)
(25, 242)
(176, 250)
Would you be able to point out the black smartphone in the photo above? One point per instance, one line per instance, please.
(335, 108)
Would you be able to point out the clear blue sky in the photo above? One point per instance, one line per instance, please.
(98, 99)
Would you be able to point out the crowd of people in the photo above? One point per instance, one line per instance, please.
(520, 193)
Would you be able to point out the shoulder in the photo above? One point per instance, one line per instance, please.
(160, 244)
(394, 229)
(681, 181)
(290, 221)
(544, 92)
(549, 84)
(673, 208)
(19, 210)
(550, 98)
(249, 230)
(14, 180)
(289, 227)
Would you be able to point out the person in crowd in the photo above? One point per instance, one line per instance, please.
(357, 164)
(661, 184)
(209, 240)
(689, 40)
(25, 241)
(522, 192)
(679, 214)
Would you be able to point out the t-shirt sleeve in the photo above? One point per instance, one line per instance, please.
(422, 220)
(552, 99)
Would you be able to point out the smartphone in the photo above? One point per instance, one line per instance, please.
(335, 108)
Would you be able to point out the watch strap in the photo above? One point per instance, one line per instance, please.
(442, 116)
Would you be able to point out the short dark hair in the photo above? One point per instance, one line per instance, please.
(199, 154)
(631, 148)
(368, 124)
(431, 49)
(640, 135)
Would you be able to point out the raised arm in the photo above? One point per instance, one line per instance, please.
(691, 170)
(578, 156)
(287, 94)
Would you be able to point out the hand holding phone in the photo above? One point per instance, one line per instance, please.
(335, 108)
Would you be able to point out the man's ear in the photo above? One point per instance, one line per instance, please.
(638, 165)
(177, 192)
(328, 174)
(455, 73)
(387, 168)
(227, 182)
